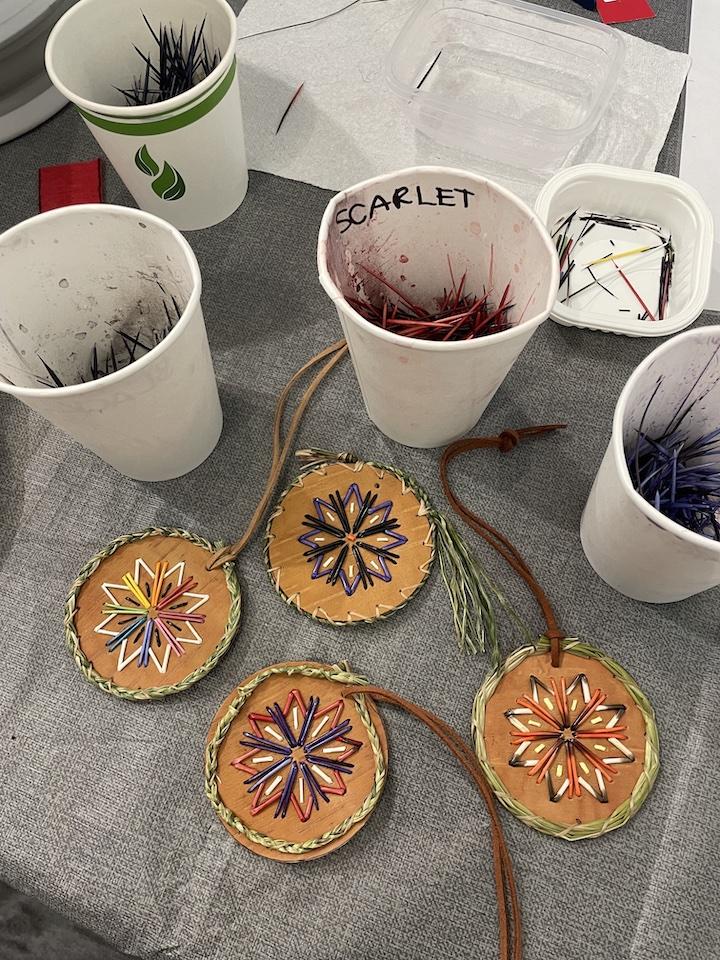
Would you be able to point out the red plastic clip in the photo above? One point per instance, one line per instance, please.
(70, 183)
(624, 11)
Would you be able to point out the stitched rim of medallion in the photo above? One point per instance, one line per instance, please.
(244, 691)
(644, 783)
(149, 693)
(426, 568)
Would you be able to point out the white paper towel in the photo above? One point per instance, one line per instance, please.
(701, 129)
(347, 125)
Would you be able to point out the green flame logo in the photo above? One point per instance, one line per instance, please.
(168, 184)
(145, 163)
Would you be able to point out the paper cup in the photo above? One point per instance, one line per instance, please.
(71, 280)
(406, 226)
(630, 544)
(182, 159)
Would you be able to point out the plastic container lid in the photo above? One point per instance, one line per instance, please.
(509, 80)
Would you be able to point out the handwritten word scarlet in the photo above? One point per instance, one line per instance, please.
(358, 213)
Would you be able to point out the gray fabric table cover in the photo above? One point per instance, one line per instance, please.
(104, 816)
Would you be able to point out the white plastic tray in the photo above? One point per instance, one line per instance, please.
(639, 195)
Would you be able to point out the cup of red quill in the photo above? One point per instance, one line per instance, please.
(439, 277)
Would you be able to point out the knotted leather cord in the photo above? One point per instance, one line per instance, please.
(510, 932)
(505, 442)
(336, 352)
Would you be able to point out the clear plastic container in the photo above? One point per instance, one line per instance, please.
(509, 81)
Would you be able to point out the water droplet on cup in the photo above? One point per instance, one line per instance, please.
(63, 283)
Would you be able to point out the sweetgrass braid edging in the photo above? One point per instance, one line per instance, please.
(630, 806)
(211, 752)
(150, 693)
(469, 588)
(350, 461)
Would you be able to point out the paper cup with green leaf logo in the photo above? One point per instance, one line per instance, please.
(182, 159)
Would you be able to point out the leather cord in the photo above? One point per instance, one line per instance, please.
(505, 442)
(280, 449)
(509, 916)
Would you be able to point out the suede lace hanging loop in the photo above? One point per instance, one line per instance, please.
(510, 924)
(280, 449)
(570, 749)
(504, 442)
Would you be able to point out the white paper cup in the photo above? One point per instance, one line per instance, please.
(420, 393)
(69, 280)
(182, 159)
(630, 544)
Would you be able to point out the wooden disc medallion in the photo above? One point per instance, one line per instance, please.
(145, 618)
(571, 750)
(349, 543)
(292, 768)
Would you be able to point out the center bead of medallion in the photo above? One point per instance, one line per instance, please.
(567, 735)
(298, 754)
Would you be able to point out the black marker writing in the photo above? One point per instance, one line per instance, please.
(359, 213)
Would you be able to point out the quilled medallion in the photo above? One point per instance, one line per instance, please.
(349, 542)
(145, 618)
(572, 750)
(292, 768)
